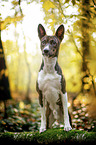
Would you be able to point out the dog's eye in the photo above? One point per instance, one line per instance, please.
(44, 42)
(52, 42)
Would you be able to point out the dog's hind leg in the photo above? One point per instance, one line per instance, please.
(49, 117)
(48, 111)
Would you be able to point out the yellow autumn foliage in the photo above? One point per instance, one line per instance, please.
(47, 5)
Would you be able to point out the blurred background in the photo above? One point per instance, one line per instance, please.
(20, 59)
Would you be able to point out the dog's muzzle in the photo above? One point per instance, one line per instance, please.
(46, 50)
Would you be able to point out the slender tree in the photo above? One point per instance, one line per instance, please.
(4, 81)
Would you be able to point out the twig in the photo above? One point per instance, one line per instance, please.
(20, 7)
(75, 43)
(61, 9)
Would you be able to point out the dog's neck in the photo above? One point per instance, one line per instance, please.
(49, 64)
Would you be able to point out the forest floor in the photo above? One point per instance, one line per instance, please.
(24, 117)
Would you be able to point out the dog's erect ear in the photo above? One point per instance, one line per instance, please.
(41, 31)
(60, 32)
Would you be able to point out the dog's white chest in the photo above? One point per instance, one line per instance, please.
(50, 86)
(49, 81)
(48, 77)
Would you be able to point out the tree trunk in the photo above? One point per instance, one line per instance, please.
(85, 26)
(4, 82)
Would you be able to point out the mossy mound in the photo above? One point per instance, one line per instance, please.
(50, 136)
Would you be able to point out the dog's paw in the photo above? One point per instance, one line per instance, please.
(42, 129)
(67, 128)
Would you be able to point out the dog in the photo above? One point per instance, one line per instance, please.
(51, 85)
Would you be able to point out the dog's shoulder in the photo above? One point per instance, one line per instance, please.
(58, 69)
(63, 82)
(42, 65)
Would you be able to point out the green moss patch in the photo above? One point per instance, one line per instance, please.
(56, 136)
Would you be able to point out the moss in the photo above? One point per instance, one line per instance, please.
(50, 136)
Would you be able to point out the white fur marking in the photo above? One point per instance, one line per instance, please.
(67, 125)
(43, 119)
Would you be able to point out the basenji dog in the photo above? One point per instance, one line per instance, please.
(51, 84)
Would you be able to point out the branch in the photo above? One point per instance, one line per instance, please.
(75, 43)
(94, 2)
(61, 8)
(20, 8)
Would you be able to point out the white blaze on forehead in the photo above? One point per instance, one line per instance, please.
(46, 47)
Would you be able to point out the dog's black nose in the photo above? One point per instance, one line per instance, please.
(46, 50)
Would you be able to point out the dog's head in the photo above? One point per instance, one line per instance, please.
(50, 44)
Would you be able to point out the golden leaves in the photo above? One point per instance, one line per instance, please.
(10, 20)
(47, 5)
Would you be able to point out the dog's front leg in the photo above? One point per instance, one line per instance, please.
(67, 125)
(43, 118)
